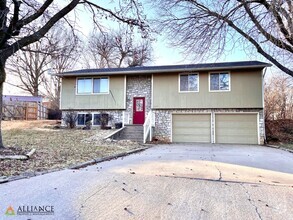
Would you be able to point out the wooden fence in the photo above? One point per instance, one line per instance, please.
(24, 111)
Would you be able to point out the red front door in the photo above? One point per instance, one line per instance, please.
(138, 110)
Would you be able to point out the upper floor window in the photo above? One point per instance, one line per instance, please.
(220, 81)
(92, 85)
(101, 85)
(188, 82)
(84, 85)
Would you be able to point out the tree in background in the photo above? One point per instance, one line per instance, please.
(116, 49)
(55, 53)
(211, 27)
(278, 96)
(16, 18)
(30, 66)
(66, 55)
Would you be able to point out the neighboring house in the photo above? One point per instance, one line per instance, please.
(213, 103)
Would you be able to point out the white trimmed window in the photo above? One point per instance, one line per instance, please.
(220, 81)
(82, 118)
(188, 82)
(96, 119)
(84, 85)
(101, 85)
(92, 85)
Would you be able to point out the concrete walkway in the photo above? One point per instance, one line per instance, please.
(201, 181)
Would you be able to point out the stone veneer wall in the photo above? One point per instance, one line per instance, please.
(115, 114)
(163, 121)
(138, 86)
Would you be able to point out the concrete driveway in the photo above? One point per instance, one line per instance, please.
(201, 181)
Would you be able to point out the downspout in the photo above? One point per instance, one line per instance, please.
(263, 104)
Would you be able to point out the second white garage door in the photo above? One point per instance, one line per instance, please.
(191, 128)
(236, 128)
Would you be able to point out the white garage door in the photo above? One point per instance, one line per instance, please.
(236, 128)
(191, 128)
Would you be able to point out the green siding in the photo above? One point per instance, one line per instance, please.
(114, 100)
(246, 92)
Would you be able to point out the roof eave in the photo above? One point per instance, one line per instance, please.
(133, 71)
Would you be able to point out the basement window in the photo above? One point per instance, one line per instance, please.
(97, 119)
(83, 118)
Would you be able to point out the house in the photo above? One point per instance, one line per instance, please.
(211, 102)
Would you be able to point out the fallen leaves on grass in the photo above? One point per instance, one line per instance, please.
(55, 149)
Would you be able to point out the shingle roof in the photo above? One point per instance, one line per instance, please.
(169, 68)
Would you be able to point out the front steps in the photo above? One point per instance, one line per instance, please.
(132, 132)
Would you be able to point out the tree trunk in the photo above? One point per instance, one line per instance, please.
(2, 80)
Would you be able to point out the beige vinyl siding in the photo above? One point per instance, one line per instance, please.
(114, 100)
(246, 92)
(191, 128)
(236, 128)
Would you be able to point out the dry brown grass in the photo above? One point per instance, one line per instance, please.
(54, 148)
(19, 124)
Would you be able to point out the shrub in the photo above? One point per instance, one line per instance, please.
(70, 119)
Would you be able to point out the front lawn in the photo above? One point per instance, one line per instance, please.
(56, 148)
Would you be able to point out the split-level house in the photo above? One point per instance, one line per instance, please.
(212, 102)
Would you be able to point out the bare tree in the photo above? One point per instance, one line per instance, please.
(278, 95)
(141, 54)
(99, 51)
(208, 27)
(117, 49)
(66, 54)
(30, 66)
(17, 16)
(34, 64)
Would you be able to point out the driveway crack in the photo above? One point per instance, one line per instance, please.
(87, 198)
(220, 173)
(251, 201)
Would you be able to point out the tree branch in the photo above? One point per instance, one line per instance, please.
(129, 21)
(40, 33)
(268, 36)
(279, 21)
(255, 43)
(34, 16)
